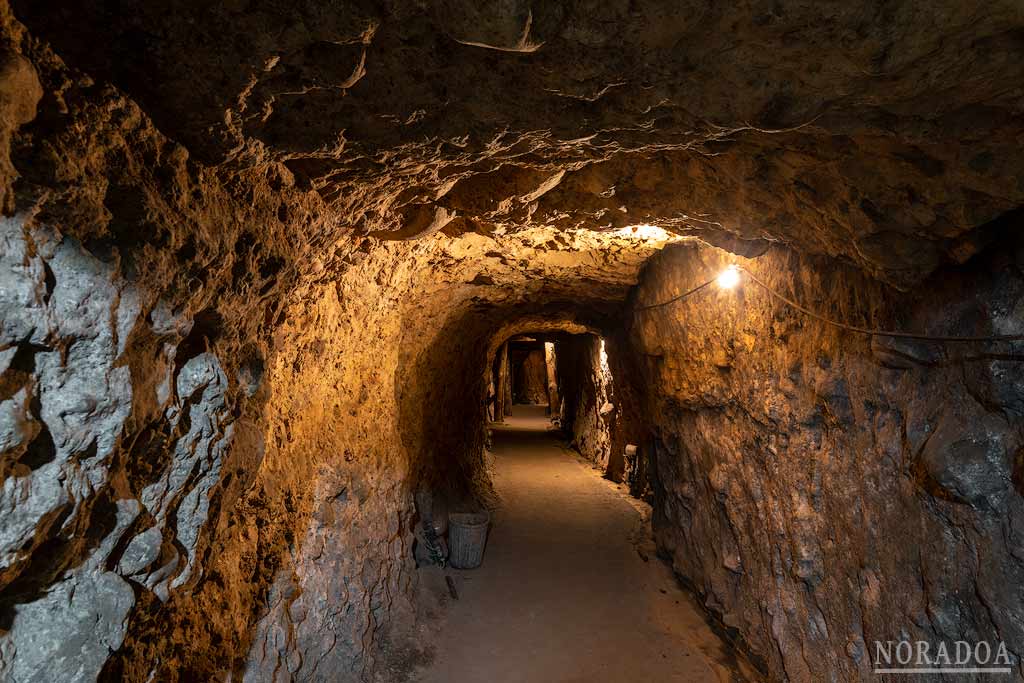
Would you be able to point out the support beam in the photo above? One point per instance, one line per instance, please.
(549, 360)
(503, 388)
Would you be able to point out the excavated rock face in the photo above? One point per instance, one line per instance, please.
(873, 133)
(529, 375)
(825, 491)
(256, 258)
(589, 395)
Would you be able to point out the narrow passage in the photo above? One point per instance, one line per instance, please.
(564, 593)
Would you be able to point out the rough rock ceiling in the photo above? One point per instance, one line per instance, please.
(881, 133)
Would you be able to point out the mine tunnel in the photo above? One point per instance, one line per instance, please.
(511, 341)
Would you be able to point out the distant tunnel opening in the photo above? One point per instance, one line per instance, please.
(570, 375)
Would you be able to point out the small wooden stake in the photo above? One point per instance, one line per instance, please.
(451, 587)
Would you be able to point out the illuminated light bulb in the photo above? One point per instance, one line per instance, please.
(650, 232)
(644, 232)
(728, 278)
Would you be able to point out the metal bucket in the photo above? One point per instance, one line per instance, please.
(467, 535)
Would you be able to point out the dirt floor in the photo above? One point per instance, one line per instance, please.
(570, 589)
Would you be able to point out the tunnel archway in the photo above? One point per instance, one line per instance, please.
(445, 424)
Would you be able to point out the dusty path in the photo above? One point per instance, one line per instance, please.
(563, 594)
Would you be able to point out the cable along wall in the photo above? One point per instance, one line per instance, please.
(819, 488)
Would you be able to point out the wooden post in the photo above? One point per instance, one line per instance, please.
(503, 391)
(549, 360)
(508, 381)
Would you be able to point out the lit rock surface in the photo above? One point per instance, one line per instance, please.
(819, 500)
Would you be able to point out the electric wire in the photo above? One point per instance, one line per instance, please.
(844, 326)
(677, 298)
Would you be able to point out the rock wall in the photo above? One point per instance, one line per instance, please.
(600, 406)
(135, 285)
(823, 490)
(186, 510)
(171, 493)
(530, 378)
(181, 501)
(335, 463)
(586, 387)
(66, 321)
